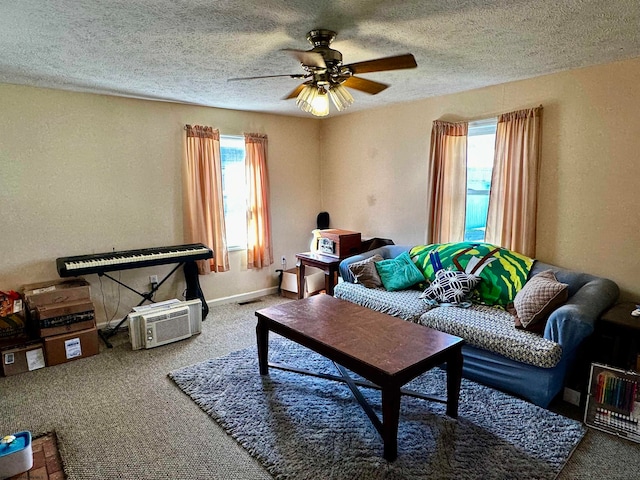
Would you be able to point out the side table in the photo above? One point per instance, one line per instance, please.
(326, 263)
(619, 335)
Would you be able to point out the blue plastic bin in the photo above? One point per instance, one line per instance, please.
(16, 457)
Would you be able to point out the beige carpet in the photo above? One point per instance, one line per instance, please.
(118, 416)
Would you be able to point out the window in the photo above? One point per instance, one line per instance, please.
(234, 189)
(480, 152)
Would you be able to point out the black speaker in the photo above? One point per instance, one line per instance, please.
(323, 220)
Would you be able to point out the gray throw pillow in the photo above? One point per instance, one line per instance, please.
(540, 296)
(365, 273)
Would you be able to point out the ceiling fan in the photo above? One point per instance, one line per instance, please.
(326, 76)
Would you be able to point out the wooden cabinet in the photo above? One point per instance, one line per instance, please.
(617, 337)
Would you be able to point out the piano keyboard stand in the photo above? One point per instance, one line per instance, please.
(106, 334)
(101, 263)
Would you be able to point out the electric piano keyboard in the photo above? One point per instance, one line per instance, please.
(128, 259)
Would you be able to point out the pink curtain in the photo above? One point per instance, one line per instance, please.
(447, 182)
(259, 248)
(203, 204)
(511, 221)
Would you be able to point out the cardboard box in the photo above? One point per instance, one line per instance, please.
(66, 328)
(71, 346)
(56, 291)
(10, 342)
(13, 326)
(22, 358)
(339, 243)
(313, 282)
(62, 309)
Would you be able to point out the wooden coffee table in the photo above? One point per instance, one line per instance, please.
(386, 351)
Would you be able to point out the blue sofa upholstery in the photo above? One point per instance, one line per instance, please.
(569, 325)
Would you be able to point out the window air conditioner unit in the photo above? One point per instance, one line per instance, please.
(159, 324)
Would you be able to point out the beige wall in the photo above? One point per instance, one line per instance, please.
(374, 166)
(82, 173)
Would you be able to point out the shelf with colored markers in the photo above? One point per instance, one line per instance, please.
(613, 403)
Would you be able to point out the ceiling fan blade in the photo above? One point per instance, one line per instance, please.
(383, 64)
(364, 85)
(290, 75)
(294, 93)
(308, 59)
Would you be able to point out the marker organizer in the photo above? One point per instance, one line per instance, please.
(613, 403)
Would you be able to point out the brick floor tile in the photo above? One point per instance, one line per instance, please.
(38, 459)
(50, 448)
(53, 465)
(38, 474)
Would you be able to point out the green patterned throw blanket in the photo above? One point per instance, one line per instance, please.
(501, 279)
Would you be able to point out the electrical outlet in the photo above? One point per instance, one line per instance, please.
(571, 396)
(283, 260)
(153, 278)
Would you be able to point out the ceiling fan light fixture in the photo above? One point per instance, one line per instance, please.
(314, 100)
(326, 76)
(341, 97)
(305, 97)
(320, 103)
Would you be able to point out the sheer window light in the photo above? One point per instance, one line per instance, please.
(480, 153)
(232, 153)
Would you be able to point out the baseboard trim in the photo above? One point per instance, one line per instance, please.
(242, 297)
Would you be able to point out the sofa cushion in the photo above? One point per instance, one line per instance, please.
(540, 296)
(404, 304)
(399, 273)
(492, 329)
(450, 286)
(501, 279)
(365, 272)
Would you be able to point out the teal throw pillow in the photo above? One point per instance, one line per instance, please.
(399, 273)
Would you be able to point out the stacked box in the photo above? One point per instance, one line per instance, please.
(66, 317)
(60, 326)
(59, 307)
(22, 358)
(56, 291)
(12, 318)
(71, 346)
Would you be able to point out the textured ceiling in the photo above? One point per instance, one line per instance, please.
(185, 50)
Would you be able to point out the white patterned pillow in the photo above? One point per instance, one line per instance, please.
(450, 286)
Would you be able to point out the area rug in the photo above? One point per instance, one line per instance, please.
(303, 427)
